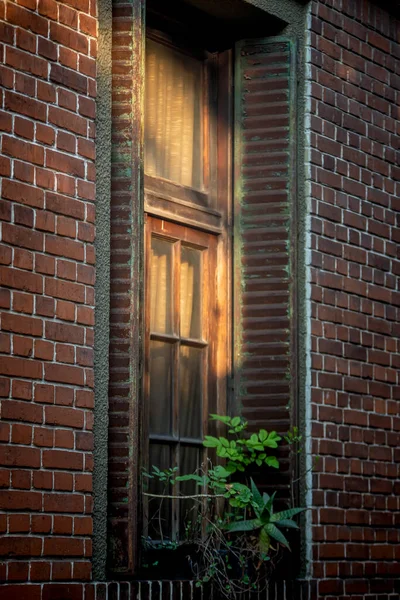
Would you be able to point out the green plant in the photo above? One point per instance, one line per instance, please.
(266, 521)
(233, 545)
(241, 451)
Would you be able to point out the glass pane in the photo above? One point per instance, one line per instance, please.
(173, 122)
(189, 508)
(159, 509)
(190, 391)
(161, 394)
(161, 286)
(190, 292)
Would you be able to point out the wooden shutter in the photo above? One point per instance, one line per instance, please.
(265, 237)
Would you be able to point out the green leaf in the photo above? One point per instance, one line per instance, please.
(210, 441)
(287, 523)
(272, 440)
(222, 418)
(268, 508)
(256, 494)
(286, 514)
(250, 525)
(272, 461)
(264, 541)
(193, 477)
(235, 421)
(254, 438)
(262, 435)
(276, 534)
(224, 442)
(222, 472)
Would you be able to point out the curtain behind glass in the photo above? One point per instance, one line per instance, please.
(173, 124)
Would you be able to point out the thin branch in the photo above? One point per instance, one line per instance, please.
(183, 497)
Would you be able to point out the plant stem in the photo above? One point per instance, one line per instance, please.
(183, 497)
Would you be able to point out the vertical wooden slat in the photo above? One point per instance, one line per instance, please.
(265, 233)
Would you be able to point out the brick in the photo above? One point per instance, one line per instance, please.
(65, 310)
(62, 332)
(64, 119)
(22, 389)
(63, 247)
(66, 417)
(19, 367)
(64, 438)
(63, 482)
(84, 441)
(22, 346)
(23, 259)
(74, 292)
(25, 106)
(23, 127)
(19, 324)
(45, 134)
(64, 374)
(63, 459)
(24, 172)
(68, 38)
(66, 184)
(45, 306)
(59, 546)
(65, 396)
(88, 25)
(68, 16)
(17, 456)
(26, 62)
(69, 78)
(87, 107)
(21, 480)
(21, 434)
(43, 438)
(23, 302)
(40, 571)
(18, 571)
(45, 221)
(44, 350)
(27, 20)
(24, 151)
(40, 524)
(65, 206)
(20, 546)
(64, 163)
(20, 236)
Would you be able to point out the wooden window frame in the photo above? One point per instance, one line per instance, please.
(180, 235)
(204, 209)
(208, 214)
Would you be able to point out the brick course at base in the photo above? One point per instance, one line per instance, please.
(47, 271)
(48, 89)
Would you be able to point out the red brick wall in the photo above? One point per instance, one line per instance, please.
(355, 89)
(48, 88)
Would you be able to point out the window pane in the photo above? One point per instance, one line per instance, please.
(173, 122)
(190, 292)
(159, 510)
(189, 463)
(190, 391)
(161, 286)
(161, 377)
